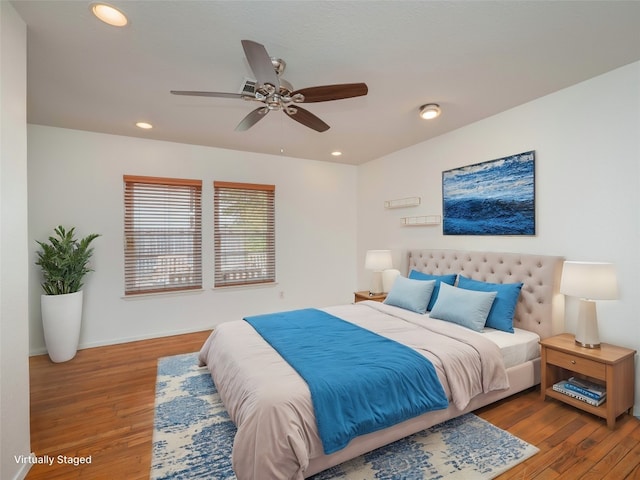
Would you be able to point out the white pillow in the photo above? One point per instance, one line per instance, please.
(410, 294)
(468, 308)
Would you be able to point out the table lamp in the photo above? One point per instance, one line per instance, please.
(377, 260)
(588, 281)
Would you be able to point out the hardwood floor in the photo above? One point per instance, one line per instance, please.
(100, 405)
(573, 444)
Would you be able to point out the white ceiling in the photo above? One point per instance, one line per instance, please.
(474, 58)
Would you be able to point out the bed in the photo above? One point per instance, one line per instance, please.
(271, 404)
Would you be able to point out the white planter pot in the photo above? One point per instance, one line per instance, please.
(61, 319)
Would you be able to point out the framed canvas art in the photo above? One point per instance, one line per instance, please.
(496, 197)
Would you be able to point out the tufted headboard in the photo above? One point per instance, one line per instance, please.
(540, 306)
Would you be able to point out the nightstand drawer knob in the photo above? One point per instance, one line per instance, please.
(573, 362)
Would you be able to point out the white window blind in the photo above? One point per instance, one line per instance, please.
(163, 234)
(244, 233)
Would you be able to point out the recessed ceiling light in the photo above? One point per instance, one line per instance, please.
(108, 14)
(429, 111)
(336, 153)
(144, 125)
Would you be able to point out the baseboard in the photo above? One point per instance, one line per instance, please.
(37, 351)
(82, 346)
(21, 474)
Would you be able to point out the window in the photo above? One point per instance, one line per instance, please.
(163, 234)
(244, 233)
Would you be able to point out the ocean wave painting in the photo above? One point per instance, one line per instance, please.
(490, 198)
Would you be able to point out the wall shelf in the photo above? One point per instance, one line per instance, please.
(421, 220)
(402, 202)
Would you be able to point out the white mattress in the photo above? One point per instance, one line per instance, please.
(516, 348)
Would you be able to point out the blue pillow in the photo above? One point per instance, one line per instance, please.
(464, 307)
(409, 294)
(504, 306)
(448, 279)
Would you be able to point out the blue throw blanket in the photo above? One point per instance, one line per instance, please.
(360, 382)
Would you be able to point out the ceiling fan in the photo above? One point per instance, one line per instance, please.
(275, 93)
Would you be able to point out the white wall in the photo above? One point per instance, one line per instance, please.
(75, 179)
(587, 198)
(587, 144)
(14, 329)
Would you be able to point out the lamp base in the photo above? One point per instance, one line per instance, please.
(376, 283)
(587, 345)
(587, 330)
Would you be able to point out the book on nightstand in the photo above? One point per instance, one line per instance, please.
(568, 388)
(585, 387)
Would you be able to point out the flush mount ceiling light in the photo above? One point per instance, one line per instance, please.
(429, 111)
(109, 15)
(144, 125)
(336, 153)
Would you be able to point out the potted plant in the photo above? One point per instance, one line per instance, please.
(64, 262)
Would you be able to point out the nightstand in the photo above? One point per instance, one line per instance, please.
(364, 295)
(609, 365)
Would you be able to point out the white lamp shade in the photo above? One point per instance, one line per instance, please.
(378, 260)
(590, 280)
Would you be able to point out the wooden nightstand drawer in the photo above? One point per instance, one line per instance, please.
(577, 364)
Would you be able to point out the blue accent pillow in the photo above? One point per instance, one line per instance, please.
(504, 306)
(448, 279)
(409, 294)
(464, 307)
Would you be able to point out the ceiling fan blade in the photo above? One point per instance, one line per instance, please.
(308, 119)
(252, 118)
(326, 93)
(260, 63)
(207, 94)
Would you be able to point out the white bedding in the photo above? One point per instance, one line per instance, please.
(271, 405)
(516, 348)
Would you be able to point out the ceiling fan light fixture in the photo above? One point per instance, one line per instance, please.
(109, 15)
(279, 65)
(430, 111)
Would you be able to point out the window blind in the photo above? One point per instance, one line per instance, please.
(244, 233)
(163, 234)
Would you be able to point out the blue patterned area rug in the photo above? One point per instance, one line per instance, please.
(193, 436)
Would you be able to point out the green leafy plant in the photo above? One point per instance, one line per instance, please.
(64, 261)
